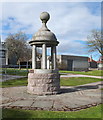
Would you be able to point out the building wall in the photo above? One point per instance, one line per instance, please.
(93, 64)
(73, 63)
(3, 54)
(80, 65)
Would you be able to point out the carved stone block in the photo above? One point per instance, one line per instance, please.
(43, 83)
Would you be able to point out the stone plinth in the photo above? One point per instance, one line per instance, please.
(43, 83)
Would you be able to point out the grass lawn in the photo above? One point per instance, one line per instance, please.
(93, 112)
(12, 71)
(13, 83)
(63, 81)
(94, 72)
(24, 72)
(74, 81)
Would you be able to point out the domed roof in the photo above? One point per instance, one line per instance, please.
(44, 34)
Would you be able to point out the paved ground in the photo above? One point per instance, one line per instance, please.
(70, 98)
(76, 75)
(9, 77)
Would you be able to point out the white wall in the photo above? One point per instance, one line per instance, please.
(80, 64)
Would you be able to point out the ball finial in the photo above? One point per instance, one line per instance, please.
(44, 17)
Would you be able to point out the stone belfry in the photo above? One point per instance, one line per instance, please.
(44, 81)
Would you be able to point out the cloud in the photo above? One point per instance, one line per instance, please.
(69, 21)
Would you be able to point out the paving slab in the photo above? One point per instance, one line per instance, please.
(6, 104)
(25, 103)
(4, 100)
(43, 104)
(17, 93)
(72, 103)
(58, 105)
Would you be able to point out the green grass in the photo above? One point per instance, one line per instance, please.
(12, 71)
(24, 72)
(94, 72)
(13, 83)
(63, 81)
(93, 112)
(74, 81)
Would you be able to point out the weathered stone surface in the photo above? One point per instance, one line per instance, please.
(66, 101)
(43, 104)
(43, 83)
(6, 104)
(4, 100)
(22, 103)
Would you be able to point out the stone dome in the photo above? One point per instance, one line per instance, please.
(44, 34)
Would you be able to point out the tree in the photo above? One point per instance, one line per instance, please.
(95, 41)
(18, 50)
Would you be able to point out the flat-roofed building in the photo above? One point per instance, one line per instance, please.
(72, 63)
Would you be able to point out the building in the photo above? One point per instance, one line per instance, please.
(72, 63)
(92, 63)
(100, 63)
(3, 54)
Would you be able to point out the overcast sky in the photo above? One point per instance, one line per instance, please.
(70, 21)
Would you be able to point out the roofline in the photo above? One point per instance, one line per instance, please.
(73, 56)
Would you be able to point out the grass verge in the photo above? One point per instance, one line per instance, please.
(93, 112)
(74, 81)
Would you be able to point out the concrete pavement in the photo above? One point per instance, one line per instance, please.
(10, 77)
(77, 75)
(70, 98)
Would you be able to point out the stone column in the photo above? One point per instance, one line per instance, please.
(52, 61)
(54, 58)
(44, 57)
(6, 57)
(34, 57)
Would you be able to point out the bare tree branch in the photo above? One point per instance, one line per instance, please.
(95, 42)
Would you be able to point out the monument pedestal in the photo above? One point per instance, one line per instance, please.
(43, 82)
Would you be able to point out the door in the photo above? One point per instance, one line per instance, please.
(70, 65)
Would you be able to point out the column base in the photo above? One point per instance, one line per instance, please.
(43, 83)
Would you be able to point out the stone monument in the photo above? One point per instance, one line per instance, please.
(44, 81)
